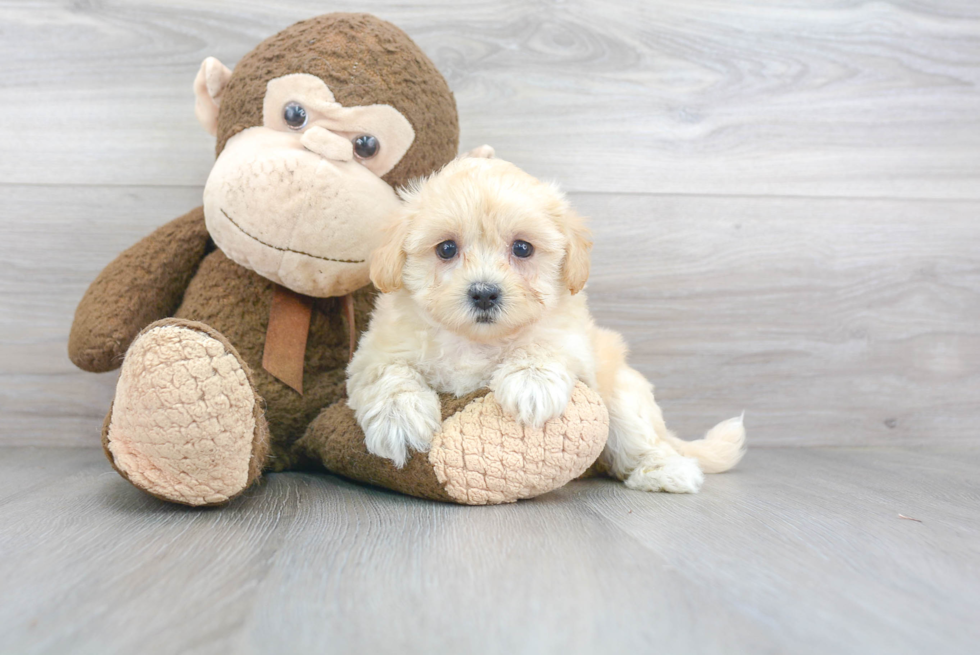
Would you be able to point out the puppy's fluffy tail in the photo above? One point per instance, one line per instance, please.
(721, 448)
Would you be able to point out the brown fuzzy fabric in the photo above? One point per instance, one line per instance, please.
(235, 302)
(335, 442)
(452, 405)
(365, 61)
(143, 284)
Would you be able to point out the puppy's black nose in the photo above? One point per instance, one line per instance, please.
(484, 296)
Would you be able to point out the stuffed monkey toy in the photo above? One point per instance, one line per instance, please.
(234, 323)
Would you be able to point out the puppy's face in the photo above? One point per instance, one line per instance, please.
(484, 248)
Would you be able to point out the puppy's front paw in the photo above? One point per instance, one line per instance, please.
(403, 420)
(534, 395)
(677, 474)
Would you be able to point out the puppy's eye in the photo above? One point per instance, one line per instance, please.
(522, 249)
(366, 146)
(446, 250)
(294, 115)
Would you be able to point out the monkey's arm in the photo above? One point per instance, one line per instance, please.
(143, 284)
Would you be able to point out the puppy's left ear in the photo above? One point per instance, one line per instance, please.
(388, 260)
(575, 268)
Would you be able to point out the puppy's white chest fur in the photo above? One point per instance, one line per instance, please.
(452, 363)
(457, 365)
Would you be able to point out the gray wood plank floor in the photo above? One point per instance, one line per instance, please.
(798, 551)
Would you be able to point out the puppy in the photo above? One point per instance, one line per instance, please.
(482, 276)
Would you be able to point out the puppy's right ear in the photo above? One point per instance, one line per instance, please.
(577, 263)
(388, 260)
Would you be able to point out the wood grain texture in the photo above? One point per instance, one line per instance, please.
(829, 321)
(848, 98)
(59, 238)
(801, 551)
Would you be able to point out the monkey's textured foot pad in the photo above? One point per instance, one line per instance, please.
(483, 457)
(185, 417)
(480, 456)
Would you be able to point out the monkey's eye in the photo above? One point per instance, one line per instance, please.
(522, 249)
(366, 146)
(294, 115)
(446, 249)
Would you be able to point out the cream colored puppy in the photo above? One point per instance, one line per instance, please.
(481, 275)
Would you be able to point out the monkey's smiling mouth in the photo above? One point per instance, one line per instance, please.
(281, 249)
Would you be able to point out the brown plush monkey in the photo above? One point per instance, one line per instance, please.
(233, 324)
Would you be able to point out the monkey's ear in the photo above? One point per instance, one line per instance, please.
(210, 83)
(575, 268)
(388, 260)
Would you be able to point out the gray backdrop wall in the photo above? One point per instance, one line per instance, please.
(785, 196)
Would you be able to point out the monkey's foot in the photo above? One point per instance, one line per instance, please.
(480, 456)
(185, 425)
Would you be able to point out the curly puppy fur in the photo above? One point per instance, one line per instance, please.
(501, 306)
